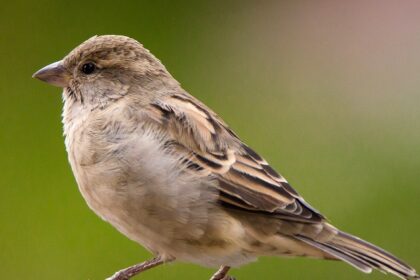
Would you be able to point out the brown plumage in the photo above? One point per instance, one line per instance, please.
(167, 172)
(248, 183)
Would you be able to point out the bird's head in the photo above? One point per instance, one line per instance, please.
(106, 68)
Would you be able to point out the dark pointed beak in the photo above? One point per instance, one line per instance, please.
(54, 74)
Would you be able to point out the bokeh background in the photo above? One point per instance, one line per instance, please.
(327, 91)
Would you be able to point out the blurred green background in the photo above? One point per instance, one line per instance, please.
(327, 91)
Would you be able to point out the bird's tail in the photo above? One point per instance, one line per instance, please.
(361, 254)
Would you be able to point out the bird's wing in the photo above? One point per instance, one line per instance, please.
(209, 148)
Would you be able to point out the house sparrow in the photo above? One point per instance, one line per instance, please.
(168, 173)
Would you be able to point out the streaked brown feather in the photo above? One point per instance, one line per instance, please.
(246, 180)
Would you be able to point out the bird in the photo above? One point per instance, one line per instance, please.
(168, 173)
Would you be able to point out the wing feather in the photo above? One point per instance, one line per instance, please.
(209, 148)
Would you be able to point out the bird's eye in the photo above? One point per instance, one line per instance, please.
(88, 68)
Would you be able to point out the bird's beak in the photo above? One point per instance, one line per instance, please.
(54, 74)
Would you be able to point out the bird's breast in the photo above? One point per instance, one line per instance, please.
(128, 179)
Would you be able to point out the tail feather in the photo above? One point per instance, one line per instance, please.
(361, 254)
(378, 265)
(356, 262)
(384, 260)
